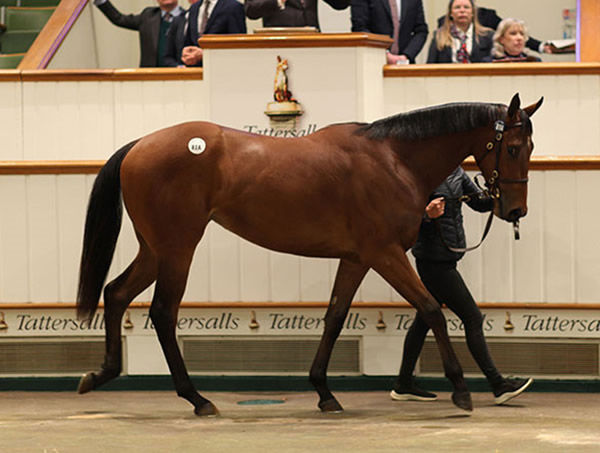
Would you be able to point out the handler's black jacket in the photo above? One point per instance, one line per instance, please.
(429, 245)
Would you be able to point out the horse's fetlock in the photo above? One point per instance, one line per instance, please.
(186, 391)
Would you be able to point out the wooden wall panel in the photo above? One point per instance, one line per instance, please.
(559, 236)
(14, 245)
(556, 259)
(587, 238)
(42, 232)
(11, 119)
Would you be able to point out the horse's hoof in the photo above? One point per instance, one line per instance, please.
(463, 400)
(207, 410)
(331, 406)
(86, 383)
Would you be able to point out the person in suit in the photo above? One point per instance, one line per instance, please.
(489, 18)
(461, 38)
(209, 17)
(509, 42)
(152, 24)
(402, 20)
(289, 13)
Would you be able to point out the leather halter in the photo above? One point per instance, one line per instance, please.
(492, 188)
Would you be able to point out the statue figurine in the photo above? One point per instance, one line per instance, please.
(281, 93)
(285, 108)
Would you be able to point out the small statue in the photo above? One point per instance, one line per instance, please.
(281, 93)
(285, 108)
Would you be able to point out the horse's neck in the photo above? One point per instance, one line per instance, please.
(439, 156)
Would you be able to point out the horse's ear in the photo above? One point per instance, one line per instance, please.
(533, 107)
(515, 103)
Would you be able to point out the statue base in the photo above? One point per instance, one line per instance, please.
(283, 111)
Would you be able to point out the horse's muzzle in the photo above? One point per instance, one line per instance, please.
(516, 214)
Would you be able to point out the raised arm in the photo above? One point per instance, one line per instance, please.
(130, 21)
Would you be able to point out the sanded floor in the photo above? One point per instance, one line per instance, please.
(100, 421)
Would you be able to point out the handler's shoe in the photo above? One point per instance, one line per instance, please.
(511, 388)
(412, 393)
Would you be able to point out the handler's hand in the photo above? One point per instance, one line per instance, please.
(435, 208)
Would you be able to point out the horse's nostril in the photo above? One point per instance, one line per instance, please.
(515, 214)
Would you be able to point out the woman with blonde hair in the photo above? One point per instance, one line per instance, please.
(509, 42)
(461, 38)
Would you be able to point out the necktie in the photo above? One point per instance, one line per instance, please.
(396, 22)
(168, 17)
(462, 55)
(204, 18)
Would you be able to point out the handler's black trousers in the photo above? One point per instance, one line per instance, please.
(444, 282)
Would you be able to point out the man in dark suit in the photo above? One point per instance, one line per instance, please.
(210, 17)
(152, 24)
(409, 29)
(489, 18)
(289, 13)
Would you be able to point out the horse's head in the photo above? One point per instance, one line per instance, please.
(505, 164)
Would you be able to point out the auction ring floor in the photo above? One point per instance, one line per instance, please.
(157, 421)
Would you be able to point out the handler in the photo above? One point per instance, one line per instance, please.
(436, 265)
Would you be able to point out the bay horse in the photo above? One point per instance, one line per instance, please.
(353, 191)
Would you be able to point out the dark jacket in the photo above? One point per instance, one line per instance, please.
(297, 13)
(480, 52)
(226, 18)
(429, 245)
(148, 25)
(374, 16)
(521, 58)
(488, 18)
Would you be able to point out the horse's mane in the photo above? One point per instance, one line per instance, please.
(434, 121)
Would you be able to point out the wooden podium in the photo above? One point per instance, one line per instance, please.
(335, 77)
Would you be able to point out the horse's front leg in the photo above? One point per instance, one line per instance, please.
(395, 268)
(347, 280)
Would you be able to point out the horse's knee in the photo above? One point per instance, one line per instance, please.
(431, 312)
(158, 313)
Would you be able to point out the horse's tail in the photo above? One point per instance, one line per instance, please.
(102, 226)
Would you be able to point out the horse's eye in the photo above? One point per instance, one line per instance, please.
(513, 151)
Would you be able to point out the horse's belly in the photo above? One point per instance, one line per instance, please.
(285, 234)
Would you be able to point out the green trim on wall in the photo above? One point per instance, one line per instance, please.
(280, 383)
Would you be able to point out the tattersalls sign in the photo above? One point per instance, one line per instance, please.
(282, 321)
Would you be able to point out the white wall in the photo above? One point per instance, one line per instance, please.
(40, 231)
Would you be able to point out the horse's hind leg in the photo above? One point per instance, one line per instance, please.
(395, 268)
(118, 294)
(347, 280)
(170, 285)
